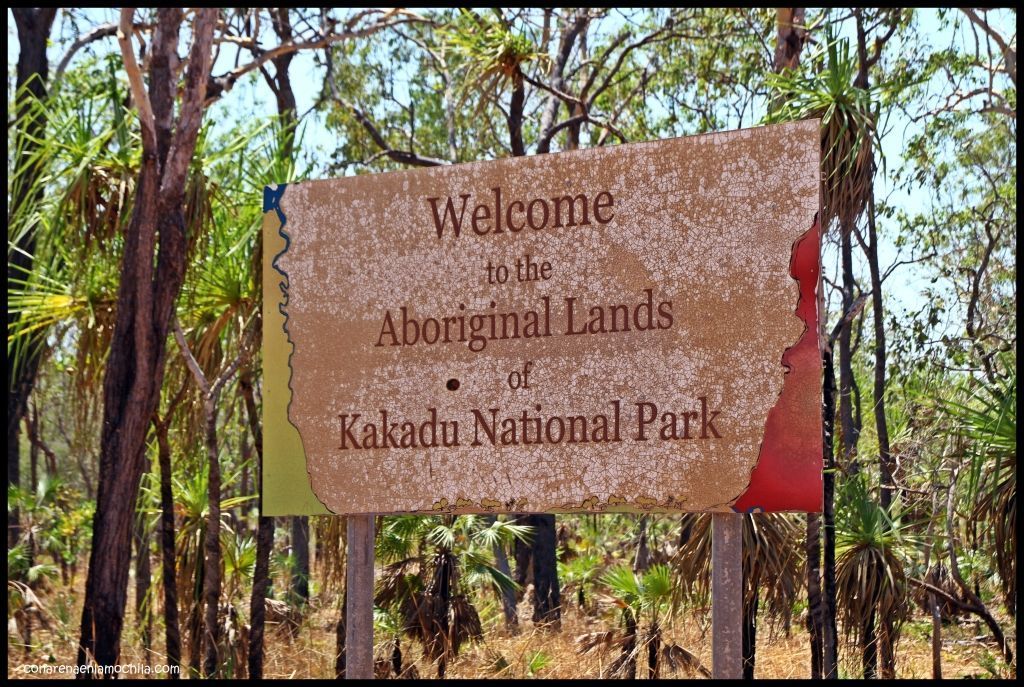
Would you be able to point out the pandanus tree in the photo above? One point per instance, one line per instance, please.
(835, 90)
(984, 432)
(24, 192)
(988, 421)
(772, 570)
(68, 297)
(873, 550)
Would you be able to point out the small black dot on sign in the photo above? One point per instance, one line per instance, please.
(453, 384)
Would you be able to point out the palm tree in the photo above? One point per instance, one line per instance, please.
(431, 564)
(987, 422)
(772, 570)
(645, 599)
(872, 553)
(836, 93)
(984, 432)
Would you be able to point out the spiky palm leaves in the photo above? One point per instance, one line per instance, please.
(645, 601)
(88, 160)
(492, 53)
(986, 425)
(431, 564)
(849, 116)
(872, 552)
(772, 569)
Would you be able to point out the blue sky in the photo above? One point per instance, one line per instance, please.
(903, 290)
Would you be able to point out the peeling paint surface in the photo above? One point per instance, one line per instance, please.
(707, 223)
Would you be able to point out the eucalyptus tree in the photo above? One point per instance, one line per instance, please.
(134, 371)
(153, 269)
(961, 155)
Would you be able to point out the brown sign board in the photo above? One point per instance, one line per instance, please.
(624, 328)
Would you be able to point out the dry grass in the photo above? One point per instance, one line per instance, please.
(966, 650)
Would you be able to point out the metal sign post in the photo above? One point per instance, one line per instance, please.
(727, 595)
(359, 578)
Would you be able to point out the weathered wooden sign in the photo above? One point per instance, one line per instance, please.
(632, 327)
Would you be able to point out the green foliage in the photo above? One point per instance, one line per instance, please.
(985, 426)
(432, 566)
(537, 662)
(55, 520)
(849, 125)
(873, 549)
(493, 53)
(645, 595)
(941, 106)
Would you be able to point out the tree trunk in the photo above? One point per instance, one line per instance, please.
(815, 601)
(642, 559)
(152, 272)
(264, 540)
(508, 596)
(628, 655)
(33, 458)
(847, 425)
(195, 626)
(300, 549)
(830, 646)
(869, 647)
(211, 575)
(653, 651)
(790, 37)
(749, 630)
(546, 594)
(339, 651)
(172, 629)
(523, 553)
(441, 593)
(936, 637)
(515, 115)
(886, 649)
(33, 25)
(211, 568)
(878, 396)
(143, 614)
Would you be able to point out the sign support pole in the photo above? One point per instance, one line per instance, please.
(727, 595)
(359, 578)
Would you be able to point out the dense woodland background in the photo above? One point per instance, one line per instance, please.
(138, 145)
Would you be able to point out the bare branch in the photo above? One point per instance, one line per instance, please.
(954, 572)
(645, 77)
(190, 361)
(658, 36)
(146, 119)
(192, 102)
(96, 34)
(219, 85)
(406, 157)
(579, 119)
(854, 310)
(1009, 53)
